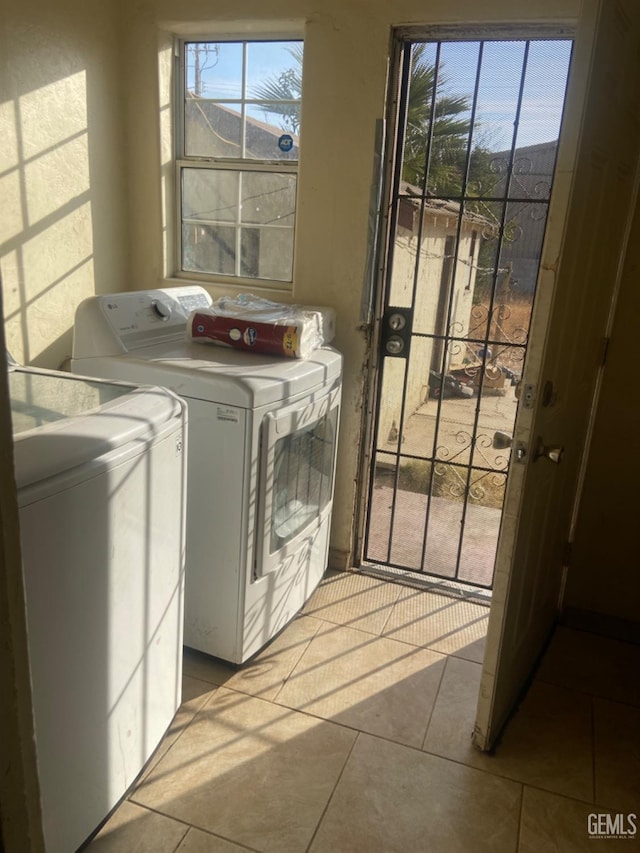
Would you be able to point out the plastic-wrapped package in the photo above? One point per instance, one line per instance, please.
(251, 323)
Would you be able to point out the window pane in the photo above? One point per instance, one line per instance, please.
(265, 253)
(209, 249)
(268, 199)
(269, 131)
(276, 254)
(222, 206)
(250, 252)
(214, 70)
(212, 129)
(210, 194)
(276, 65)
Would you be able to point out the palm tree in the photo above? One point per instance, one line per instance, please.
(283, 89)
(450, 128)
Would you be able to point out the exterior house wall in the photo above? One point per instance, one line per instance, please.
(533, 173)
(435, 265)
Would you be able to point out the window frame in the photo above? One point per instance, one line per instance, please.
(182, 162)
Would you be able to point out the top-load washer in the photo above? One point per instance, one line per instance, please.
(262, 447)
(101, 478)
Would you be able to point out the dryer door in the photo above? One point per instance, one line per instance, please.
(298, 462)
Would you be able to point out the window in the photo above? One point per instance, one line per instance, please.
(238, 157)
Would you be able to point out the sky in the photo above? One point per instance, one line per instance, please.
(501, 70)
(222, 68)
(500, 76)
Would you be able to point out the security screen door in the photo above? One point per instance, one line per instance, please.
(478, 123)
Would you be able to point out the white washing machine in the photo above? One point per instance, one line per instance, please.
(262, 447)
(101, 478)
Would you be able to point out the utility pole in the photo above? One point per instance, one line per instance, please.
(198, 72)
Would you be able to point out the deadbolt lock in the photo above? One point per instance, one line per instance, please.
(396, 332)
(394, 345)
(397, 322)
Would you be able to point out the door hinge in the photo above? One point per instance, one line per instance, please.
(604, 350)
(567, 553)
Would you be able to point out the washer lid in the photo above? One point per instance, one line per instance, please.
(221, 374)
(61, 421)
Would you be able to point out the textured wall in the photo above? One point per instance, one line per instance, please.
(62, 222)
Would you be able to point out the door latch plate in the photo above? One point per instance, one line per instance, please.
(529, 396)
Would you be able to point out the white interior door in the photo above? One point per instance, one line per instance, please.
(590, 209)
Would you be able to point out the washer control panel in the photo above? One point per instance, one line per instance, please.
(139, 318)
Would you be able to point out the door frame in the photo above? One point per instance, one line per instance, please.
(400, 35)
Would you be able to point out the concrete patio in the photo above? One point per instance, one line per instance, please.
(454, 445)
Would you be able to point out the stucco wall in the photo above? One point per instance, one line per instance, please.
(62, 222)
(428, 291)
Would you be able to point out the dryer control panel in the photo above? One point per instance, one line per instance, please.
(120, 322)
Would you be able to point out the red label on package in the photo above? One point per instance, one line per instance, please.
(246, 334)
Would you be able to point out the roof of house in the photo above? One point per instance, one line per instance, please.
(224, 124)
(437, 206)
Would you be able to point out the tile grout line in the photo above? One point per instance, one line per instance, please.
(331, 796)
(295, 665)
(435, 700)
(585, 691)
(215, 835)
(520, 816)
(151, 765)
(390, 613)
(216, 687)
(492, 773)
(429, 648)
(189, 826)
(416, 749)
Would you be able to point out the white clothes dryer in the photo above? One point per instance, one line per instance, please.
(262, 448)
(101, 477)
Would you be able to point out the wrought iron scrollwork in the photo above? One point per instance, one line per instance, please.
(481, 445)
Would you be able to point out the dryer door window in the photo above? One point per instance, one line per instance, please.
(302, 478)
(295, 487)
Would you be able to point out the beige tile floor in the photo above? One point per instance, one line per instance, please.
(350, 733)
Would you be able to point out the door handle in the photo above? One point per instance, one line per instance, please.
(552, 452)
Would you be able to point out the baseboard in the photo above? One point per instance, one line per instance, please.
(600, 623)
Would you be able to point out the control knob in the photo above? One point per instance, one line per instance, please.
(161, 309)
